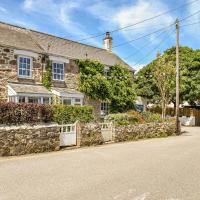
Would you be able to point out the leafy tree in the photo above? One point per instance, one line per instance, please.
(189, 77)
(164, 75)
(145, 84)
(122, 89)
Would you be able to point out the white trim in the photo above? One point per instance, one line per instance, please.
(31, 66)
(58, 59)
(70, 95)
(25, 53)
(11, 92)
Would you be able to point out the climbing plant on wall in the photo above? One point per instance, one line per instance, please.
(117, 87)
(47, 75)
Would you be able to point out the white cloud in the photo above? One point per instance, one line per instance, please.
(121, 16)
(193, 29)
(2, 9)
(61, 13)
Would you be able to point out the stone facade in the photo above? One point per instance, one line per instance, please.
(28, 139)
(9, 72)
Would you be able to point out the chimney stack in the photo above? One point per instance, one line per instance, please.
(107, 42)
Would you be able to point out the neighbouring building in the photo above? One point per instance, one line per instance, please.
(23, 54)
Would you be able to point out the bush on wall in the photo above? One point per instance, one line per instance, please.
(70, 114)
(19, 113)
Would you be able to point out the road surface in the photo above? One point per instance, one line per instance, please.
(155, 169)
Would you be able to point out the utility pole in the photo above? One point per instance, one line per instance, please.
(178, 127)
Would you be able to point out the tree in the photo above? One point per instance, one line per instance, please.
(189, 77)
(145, 84)
(164, 75)
(122, 89)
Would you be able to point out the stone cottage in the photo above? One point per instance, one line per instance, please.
(23, 54)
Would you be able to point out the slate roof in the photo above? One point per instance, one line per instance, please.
(66, 90)
(29, 88)
(26, 39)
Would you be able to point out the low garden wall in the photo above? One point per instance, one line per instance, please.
(19, 140)
(141, 131)
(90, 134)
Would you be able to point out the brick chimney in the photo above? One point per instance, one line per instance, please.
(107, 42)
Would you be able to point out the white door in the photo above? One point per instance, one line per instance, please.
(68, 135)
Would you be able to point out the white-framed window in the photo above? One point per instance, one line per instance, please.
(30, 99)
(24, 66)
(72, 101)
(106, 71)
(58, 71)
(104, 108)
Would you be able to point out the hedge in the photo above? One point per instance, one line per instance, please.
(20, 113)
(70, 114)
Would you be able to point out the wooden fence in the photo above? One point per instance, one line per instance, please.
(186, 111)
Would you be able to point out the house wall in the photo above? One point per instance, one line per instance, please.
(8, 72)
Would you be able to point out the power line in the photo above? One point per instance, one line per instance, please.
(145, 20)
(146, 44)
(150, 52)
(190, 24)
(130, 41)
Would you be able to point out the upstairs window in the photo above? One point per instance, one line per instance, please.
(58, 71)
(24, 66)
(106, 71)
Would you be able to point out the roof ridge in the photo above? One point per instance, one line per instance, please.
(32, 30)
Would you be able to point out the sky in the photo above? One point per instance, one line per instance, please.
(81, 19)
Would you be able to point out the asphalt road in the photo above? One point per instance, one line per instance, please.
(156, 169)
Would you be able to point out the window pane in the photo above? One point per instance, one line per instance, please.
(21, 99)
(67, 101)
(46, 100)
(33, 100)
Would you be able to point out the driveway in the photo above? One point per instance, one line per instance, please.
(156, 169)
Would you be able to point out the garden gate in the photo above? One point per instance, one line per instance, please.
(68, 135)
(107, 131)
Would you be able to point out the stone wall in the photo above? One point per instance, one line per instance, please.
(90, 134)
(19, 140)
(140, 131)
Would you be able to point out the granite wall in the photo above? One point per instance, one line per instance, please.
(19, 140)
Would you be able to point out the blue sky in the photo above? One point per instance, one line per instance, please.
(78, 19)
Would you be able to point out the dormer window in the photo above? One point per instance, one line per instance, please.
(24, 66)
(58, 71)
(106, 71)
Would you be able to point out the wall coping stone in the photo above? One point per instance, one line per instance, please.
(28, 126)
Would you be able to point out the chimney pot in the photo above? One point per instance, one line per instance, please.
(107, 42)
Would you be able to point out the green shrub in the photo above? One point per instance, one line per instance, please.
(70, 114)
(151, 117)
(124, 118)
(20, 113)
